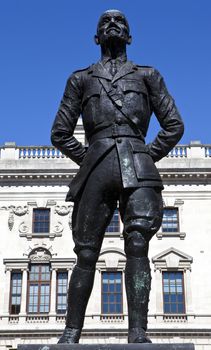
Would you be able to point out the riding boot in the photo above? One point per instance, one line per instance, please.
(138, 283)
(80, 288)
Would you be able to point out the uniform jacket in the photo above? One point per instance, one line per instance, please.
(116, 112)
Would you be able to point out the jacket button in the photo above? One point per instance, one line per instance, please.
(114, 86)
(119, 122)
(119, 140)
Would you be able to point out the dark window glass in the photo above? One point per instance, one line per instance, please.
(112, 292)
(39, 289)
(114, 224)
(15, 292)
(173, 293)
(41, 220)
(170, 221)
(61, 297)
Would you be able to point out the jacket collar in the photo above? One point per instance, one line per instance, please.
(98, 70)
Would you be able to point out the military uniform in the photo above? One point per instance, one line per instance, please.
(117, 166)
(112, 108)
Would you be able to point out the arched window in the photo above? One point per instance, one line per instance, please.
(39, 282)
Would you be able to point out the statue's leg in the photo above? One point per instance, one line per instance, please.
(142, 217)
(91, 216)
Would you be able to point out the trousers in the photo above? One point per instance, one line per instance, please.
(141, 214)
(140, 208)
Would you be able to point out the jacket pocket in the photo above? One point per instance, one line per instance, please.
(89, 93)
(144, 166)
(134, 86)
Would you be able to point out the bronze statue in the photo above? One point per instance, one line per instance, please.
(116, 98)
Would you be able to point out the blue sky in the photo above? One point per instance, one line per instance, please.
(43, 41)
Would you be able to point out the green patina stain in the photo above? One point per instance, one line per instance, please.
(142, 281)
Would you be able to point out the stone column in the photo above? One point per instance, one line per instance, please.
(159, 292)
(23, 296)
(24, 292)
(124, 296)
(7, 292)
(188, 293)
(53, 294)
(159, 296)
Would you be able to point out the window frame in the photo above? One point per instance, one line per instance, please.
(39, 233)
(183, 293)
(112, 232)
(57, 285)
(11, 294)
(177, 221)
(39, 282)
(102, 293)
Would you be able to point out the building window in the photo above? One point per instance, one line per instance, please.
(61, 295)
(173, 293)
(39, 289)
(114, 224)
(111, 293)
(15, 293)
(41, 220)
(170, 220)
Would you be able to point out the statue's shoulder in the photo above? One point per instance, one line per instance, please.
(145, 70)
(148, 72)
(143, 67)
(82, 70)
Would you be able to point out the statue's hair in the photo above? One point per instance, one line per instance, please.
(113, 10)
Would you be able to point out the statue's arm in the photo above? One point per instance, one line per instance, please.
(66, 120)
(167, 114)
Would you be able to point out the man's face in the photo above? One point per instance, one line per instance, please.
(112, 26)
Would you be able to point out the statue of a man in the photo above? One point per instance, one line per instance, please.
(116, 98)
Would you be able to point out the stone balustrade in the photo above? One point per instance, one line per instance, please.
(10, 151)
(39, 152)
(104, 318)
(179, 151)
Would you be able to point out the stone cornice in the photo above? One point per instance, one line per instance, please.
(169, 332)
(48, 178)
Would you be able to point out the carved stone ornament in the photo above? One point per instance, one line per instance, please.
(19, 211)
(58, 228)
(3, 208)
(11, 221)
(63, 209)
(40, 255)
(23, 228)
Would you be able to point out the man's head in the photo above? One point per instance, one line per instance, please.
(112, 25)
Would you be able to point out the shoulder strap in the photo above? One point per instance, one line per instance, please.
(132, 122)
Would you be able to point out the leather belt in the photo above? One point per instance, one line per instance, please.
(115, 131)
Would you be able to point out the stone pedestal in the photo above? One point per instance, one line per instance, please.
(107, 347)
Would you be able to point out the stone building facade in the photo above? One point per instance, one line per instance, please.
(37, 258)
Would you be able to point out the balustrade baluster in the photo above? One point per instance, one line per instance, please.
(57, 153)
(50, 152)
(20, 153)
(44, 153)
(36, 152)
(27, 153)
